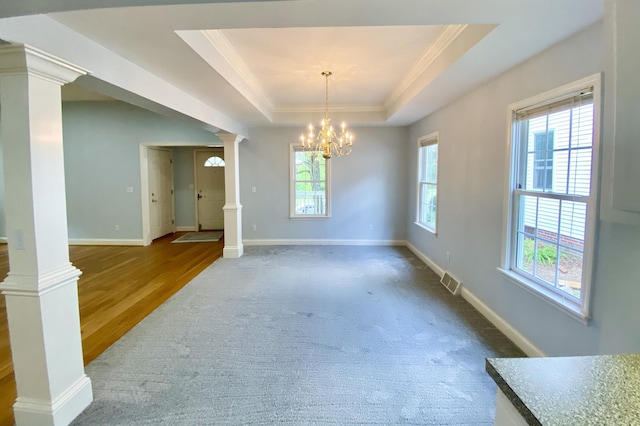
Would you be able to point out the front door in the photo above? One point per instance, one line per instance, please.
(210, 189)
(161, 191)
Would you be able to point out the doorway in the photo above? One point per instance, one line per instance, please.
(161, 203)
(209, 188)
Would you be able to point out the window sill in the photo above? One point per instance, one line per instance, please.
(308, 217)
(569, 307)
(429, 230)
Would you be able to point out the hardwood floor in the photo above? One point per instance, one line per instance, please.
(119, 286)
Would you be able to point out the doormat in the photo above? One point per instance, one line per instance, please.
(199, 237)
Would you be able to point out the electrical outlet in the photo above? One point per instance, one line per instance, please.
(129, 188)
(370, 227)
(117, 227)
(448, 256)
(253, 227)
(253, 189)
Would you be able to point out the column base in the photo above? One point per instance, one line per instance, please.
(61, 411)
(233, 248)
(232, 252)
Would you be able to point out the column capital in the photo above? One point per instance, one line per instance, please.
(230, 137)
(19, 59)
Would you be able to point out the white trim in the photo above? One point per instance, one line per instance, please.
(335, 108)
(303, 242)
(38, 285)
(426, 59)
(144, 195)
(430, 263)
(190, 228)
(434, 138)
(232, 252)
(62, 410)
(565, 304)
(500, 323)
(293, 147)
(215, 49)
(429, 231)
(582, 311)
(24, 59)
(105, 242)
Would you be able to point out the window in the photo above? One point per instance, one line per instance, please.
(551, 197)
(428, 182)
(309, 184)
(214, 162)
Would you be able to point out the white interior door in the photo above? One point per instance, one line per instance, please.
(210, 189)
(161, 192)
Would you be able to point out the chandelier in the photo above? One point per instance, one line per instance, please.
(328, 140)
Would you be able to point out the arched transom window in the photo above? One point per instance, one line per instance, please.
(214, 162)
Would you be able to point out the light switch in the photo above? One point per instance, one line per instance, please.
(129, 188)
(18, 236)
(190, 186)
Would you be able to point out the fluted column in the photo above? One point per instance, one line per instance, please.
(233, 247)
(41, 287)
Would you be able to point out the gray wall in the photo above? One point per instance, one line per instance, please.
(102, 159)
(367, 188)
(473, 136)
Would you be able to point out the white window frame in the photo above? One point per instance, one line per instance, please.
(293, 148)
(578, 310)
(430, 139)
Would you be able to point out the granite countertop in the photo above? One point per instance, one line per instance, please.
(584, 390)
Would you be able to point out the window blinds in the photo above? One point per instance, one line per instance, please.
(572, 100)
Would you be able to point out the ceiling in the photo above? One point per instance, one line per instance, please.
(259, 63)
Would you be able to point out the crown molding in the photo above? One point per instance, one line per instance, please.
(217, 51)
(316, 108)
(430, 54)
(23, 59)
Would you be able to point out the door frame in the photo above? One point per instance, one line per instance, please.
(216, 150)
(144, 181)
(173, 199)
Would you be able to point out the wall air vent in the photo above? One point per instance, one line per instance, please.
(451, 284)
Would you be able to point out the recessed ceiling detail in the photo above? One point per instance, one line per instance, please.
(376, 69)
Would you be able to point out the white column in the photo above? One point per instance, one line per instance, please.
(233, 247)
(41, 288)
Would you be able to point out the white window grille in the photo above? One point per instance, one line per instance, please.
(309, 184)
(427, 211)
(551, 198)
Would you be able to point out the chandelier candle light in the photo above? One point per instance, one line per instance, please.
(327, 140)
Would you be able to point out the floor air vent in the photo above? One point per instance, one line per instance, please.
(452, 284)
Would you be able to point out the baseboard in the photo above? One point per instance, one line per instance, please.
(61, 411)
(430, 263)
(500, 323)
(186, 228)
(104, 242)
(300, 242)
(232, 252)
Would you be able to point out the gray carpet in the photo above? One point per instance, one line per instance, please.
(199, 237)
(303, 336)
